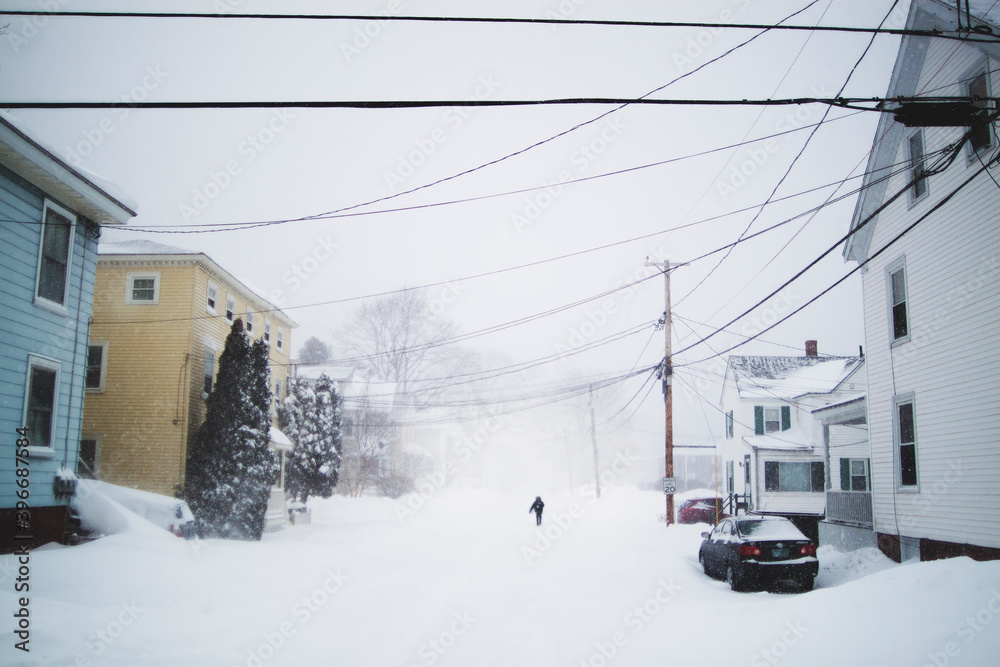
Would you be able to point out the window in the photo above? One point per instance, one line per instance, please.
(267, 332)
(54, 255)
(770, 420)
(213, 296)
(981, 137)
(897, 301)
(730, 477)
(729, 425)
(209, 376)
(230, 309)
(918, 189)
(277, 394)
(249, 326)
(40, 401)
(281, 339)
(86, 460)
(142, 288)
(906, 441)
(854, 475)
(746, 472)
(794, 476)
(97, 365)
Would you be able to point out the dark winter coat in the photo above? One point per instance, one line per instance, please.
(537, 506)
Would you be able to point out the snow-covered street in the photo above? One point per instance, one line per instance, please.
(464, 577)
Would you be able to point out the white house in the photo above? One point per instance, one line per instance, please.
(773, 452)
(931, 298)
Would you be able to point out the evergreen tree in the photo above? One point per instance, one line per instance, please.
(230, 468)
(310, 417)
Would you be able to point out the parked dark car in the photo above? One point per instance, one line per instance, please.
(755, 551)
(701, 510)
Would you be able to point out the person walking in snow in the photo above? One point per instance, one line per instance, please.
(537, 508)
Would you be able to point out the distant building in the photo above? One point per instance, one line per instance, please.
(161, 317)
(774, 453)
(50, 219)
(932, 299)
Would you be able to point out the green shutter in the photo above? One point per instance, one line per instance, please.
(786, 417)
(845, 474)
(758, 419)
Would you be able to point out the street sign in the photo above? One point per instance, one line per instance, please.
(669, 485)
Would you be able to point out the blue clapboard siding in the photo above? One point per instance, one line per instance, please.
(28, 329)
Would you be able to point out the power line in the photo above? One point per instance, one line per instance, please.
(842, 102)
(381, 18)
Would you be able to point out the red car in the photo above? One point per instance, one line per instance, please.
(701, 510)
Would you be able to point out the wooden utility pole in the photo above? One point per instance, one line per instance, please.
(667, 394)
(593, 439)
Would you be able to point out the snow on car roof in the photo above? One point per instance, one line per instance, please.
(770, 528)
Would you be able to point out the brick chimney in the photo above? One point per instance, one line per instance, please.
(812, 348)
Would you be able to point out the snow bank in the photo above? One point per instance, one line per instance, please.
(104, 509)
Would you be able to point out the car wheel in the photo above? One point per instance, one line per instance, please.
(704, 564)
(734, 580)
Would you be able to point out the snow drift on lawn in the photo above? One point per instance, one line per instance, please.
(464, 577)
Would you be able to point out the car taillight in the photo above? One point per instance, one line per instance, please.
(749, 550)
(808, 549)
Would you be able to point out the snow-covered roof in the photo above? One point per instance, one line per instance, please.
(789, 377)
(279, 440)
(95, 197)
(335, 373)
(141, 247)
(788, 441)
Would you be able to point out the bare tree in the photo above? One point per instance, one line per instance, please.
(402, 341)
(314, 351)
(371, 435)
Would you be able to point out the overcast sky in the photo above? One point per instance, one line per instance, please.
(219, 166)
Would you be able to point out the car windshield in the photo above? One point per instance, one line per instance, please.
(770, 529)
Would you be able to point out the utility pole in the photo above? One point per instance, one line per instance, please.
(593, 439)
(668, 401)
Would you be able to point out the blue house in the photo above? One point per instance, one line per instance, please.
(50, 219)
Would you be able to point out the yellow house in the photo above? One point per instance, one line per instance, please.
(160, 321)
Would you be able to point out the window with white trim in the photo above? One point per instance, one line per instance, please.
(281, 339)
(54, 255)
(855, 474)
(905, 436)
(209, 373)
(267, 332)
(899, 319)
(729, 425)
(249, 322)
(230, 309)
(212, 298)
(915, 143)
(40, 401)
(771, 419)
(142, 288)
(794, 476)
(97, 365)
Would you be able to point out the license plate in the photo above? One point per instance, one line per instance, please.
(779, 553)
